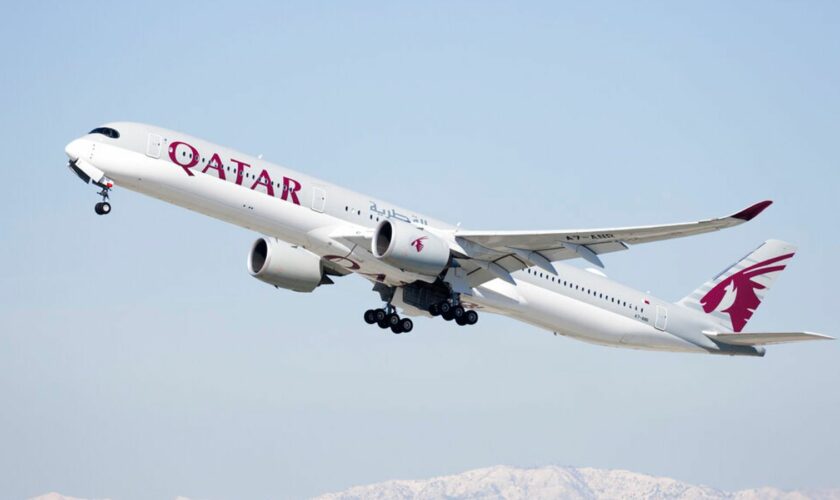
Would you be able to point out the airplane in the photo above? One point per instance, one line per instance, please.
(315, 232)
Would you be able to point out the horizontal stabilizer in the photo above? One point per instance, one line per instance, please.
(765, 338)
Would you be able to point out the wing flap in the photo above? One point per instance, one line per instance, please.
(754, 339)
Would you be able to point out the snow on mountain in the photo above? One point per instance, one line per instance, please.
(551, 482)
(511, 483)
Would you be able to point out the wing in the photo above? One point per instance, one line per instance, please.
(487, 255)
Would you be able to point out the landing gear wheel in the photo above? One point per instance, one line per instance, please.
(102, 208)
(471, 317)
(458, 312)
(379, 315)
(434, 310)
(383, 324)
(392, 320)
(461, 320)
(444, 307)
(406, 325)
(397, 329)
(448, 315)
(370, 316)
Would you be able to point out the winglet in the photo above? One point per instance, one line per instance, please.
(750, 213)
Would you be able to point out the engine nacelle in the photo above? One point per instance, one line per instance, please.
(284, 265)
(409, 248)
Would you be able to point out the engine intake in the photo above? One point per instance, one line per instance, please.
(285, 266)
(409, 248)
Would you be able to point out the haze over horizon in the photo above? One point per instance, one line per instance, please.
(138, 359)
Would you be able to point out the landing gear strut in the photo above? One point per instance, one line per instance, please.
(388, 318)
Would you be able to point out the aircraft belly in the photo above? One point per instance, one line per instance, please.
(577, 319)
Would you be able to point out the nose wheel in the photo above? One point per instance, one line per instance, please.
(102, 208)
(388, 319)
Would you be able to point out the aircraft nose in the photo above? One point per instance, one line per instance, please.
(74, 149)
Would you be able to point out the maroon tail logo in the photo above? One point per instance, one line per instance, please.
(418, 243)
(746, 300)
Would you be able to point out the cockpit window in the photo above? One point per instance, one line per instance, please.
(109, 132)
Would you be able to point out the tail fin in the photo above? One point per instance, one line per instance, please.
(732, 296)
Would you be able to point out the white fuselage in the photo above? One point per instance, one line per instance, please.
(305, 211)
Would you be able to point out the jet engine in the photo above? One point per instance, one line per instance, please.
(285, 265)
(409, 248)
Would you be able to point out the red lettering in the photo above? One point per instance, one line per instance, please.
(264, 180)
(240, 168)
(193, 156)
(216, 164)
(290, 188)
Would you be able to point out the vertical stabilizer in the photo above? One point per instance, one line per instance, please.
(732, 296)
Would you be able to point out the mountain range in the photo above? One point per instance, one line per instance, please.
(549, 482)
(552, 482)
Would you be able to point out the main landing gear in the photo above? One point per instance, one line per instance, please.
(452, 310)
(103, 207)
(388, 318)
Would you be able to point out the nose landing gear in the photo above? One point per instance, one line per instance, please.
(103, 207)
(89, 174)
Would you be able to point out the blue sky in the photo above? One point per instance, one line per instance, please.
(139, 360)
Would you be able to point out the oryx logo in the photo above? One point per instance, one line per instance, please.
(739, 290)
(418, 243)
